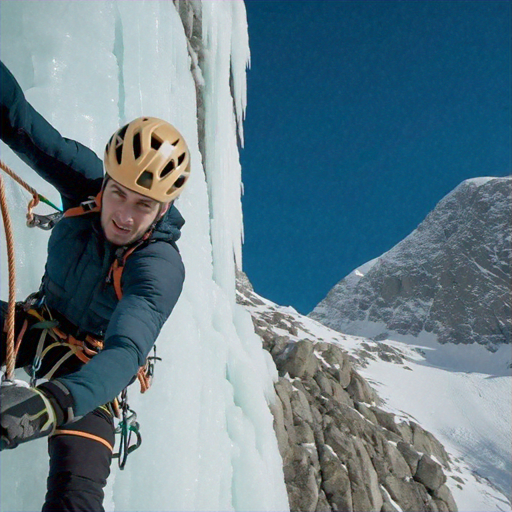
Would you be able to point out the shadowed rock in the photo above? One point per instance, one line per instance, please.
(435, 279)
(340, 451)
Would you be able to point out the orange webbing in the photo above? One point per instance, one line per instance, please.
(144, 379)
(117, 274)
(84, 353)
(79, 210)
(104, 442)
(117, 271)
(9, 323)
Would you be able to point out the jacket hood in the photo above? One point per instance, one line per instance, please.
(169, 226)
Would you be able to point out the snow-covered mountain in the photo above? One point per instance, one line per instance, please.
(449, 281)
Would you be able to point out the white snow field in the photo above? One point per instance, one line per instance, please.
(89, 67)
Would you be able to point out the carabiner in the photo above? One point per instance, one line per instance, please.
(45, 222)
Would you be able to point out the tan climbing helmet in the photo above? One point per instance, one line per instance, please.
(149, 156)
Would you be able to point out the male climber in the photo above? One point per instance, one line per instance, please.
(84, 337)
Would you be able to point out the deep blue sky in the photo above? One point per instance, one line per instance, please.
(362, 115)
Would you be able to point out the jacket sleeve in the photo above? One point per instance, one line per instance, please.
(152, 283)
(73, 169)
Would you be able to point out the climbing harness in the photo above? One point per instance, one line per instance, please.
(84, 349)
(128, 428)
(99, 439)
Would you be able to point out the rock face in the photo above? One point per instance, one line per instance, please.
(340, 450)
(451, 276)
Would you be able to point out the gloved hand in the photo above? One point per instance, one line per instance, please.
(26, 414)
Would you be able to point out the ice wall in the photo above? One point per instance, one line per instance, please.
(226, 44)
(208, 441)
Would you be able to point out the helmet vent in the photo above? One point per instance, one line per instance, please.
(181, 158)
(145, 180)
(136, 146)
(180, 181)
(122, 132)
(118, 141)
(119, 153)
(167, 169)
(109, 142)
(155, 143)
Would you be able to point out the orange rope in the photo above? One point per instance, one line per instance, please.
(9, 326)
(15, 177)
(35, 196)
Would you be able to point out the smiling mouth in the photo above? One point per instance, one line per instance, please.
(126, 230)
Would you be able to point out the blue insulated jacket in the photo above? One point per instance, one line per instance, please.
(79, 258)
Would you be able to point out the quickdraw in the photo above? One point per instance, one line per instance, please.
(34, 219)
(146, 372)
(127, 428)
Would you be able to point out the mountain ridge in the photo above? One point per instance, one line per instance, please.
(449, 278)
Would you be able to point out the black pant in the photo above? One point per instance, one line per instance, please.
(80, 452)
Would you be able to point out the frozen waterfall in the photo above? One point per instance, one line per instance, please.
(88, 67)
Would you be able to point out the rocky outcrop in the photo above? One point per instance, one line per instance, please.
(450, 277)
(341, 451)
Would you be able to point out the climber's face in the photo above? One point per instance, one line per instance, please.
(127, 215)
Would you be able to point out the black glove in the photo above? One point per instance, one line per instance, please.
(26, 414)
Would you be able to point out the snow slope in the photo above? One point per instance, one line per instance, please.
(469, 412)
